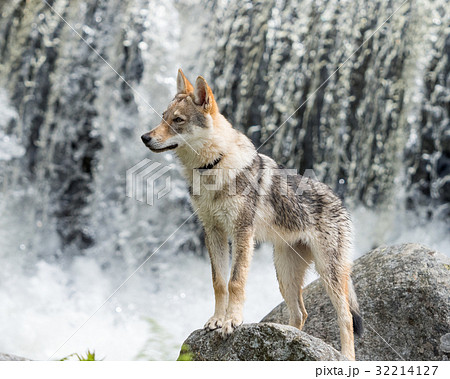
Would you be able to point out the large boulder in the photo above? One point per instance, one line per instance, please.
(404, 296)
(257, 342)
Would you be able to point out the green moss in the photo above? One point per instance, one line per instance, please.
(185, 353)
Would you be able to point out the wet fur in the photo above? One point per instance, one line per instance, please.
(254, 201)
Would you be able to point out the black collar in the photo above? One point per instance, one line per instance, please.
(211, 165)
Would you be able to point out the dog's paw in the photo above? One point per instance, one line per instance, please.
(230, 325)
(213, 323)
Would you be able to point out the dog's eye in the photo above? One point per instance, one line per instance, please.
(178, 119)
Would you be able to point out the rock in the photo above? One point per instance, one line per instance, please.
(10, 357)
(445, 343)
(404, 296)
(257, 342)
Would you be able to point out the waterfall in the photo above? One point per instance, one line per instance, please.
(70, 123)
(70, 129)
(383, 115)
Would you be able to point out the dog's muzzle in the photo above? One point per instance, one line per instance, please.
(147, 142)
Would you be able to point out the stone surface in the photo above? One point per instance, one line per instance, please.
(404, 296)
(257, 342)
(445, 343)
(10, 357)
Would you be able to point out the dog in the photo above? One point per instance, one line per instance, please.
(245, 196)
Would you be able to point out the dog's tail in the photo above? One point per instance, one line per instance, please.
(358, 327)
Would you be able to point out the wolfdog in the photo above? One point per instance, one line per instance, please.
(253, 199)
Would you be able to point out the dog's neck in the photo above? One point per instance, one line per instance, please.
(211, 165)
(201, 155)
(224, 148)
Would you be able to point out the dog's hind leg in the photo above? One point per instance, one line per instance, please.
(291, 264)
(217, 245)
(334, 269)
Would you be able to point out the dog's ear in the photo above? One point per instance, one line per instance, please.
(183, 85)
(203, 95)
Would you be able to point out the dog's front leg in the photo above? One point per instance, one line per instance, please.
(217, 245)
(242, 255)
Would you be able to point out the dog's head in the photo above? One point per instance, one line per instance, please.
(187, 119)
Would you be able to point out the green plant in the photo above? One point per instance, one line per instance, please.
(90, 356)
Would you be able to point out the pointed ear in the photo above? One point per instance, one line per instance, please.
(183, 85)
(203, 95)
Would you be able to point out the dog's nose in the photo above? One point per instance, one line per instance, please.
(146, 138)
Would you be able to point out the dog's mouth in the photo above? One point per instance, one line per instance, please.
(171, 147)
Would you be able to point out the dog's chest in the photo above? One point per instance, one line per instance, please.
(216, 207)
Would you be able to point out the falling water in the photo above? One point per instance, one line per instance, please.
(70, 127)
